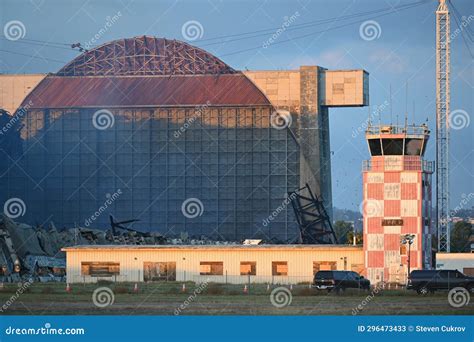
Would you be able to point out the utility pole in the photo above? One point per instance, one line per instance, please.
(442, 125)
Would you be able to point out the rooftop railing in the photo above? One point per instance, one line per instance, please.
(398, 165)
(388, 129)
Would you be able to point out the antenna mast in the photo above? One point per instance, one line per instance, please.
(406, 104)
(391, 105)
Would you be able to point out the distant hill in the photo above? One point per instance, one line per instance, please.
(348, 215)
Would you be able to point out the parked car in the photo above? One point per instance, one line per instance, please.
(424, 281)
(339, 281)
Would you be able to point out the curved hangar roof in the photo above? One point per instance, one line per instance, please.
(145, 71)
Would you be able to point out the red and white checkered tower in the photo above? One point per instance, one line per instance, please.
(397, 201)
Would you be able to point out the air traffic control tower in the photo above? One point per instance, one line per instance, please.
(396, 202)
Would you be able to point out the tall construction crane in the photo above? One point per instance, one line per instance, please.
(442, 125)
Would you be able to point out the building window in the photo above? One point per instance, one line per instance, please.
(338, 88)
(279, 268)
(248, 268)
(324, 266)
(211, 268)
(100, 269)
(155, 271)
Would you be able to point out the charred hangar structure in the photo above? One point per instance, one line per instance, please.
(159, 131)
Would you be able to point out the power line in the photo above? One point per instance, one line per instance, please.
(22, 41)
(306, 25)
(462, 34)
(313, 33)
(456, 12)
(309, 24)
(32, 56)
(36, 41)
(245, 35)
(252, 34)
(44, 41)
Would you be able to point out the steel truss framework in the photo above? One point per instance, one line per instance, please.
(442, 125)
(313, 220)
(145, 56)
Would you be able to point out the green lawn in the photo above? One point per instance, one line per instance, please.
(218, 299)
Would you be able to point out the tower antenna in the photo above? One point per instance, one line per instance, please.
(391, 111)
(406, 104)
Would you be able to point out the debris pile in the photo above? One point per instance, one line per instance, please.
(34, 252)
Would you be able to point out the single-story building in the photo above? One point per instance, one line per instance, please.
(279, 264)
(463, 262)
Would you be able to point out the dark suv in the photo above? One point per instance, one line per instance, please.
(424, 281)
(339, 281)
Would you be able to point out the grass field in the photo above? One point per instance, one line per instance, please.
(218, 299)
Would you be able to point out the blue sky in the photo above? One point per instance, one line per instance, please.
(403, 50)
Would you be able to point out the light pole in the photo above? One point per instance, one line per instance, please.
(407, 239)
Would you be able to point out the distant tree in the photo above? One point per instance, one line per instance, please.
(342, 228)
(460, 235)
(359, 238)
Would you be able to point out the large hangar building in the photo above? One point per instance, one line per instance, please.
(158, 130)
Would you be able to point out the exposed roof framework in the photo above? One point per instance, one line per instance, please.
(145, 55)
